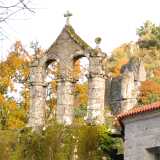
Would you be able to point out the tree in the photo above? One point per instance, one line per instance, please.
(149, 92)
(14, 70)
(149, 35)
(119, 57)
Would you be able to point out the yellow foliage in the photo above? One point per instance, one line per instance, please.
(54, 86)
(117, 68)
(76, 70)
(2, 100)
(81, 94)
(16, 119)
(14, 68)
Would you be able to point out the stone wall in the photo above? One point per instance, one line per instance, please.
(124, 90)
(142, 133)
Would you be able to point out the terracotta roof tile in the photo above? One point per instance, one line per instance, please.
(138, 110)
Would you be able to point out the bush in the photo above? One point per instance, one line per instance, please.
(58, 142)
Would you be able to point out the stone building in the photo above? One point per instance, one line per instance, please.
(142, 132)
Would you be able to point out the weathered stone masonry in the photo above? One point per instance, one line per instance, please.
(65, 100)
(96, 80)
(67, 48)
(37, 94)
(124, 89)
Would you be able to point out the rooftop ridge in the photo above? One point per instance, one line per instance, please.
(138, 110)
(73, 35)
(76, 37)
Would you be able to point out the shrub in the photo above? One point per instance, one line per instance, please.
(58, 142)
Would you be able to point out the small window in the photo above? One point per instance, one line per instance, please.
(155, 151)
(157, 156)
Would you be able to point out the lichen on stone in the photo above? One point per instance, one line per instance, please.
(76, 38)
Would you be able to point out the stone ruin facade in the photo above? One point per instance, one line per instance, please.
(67, 48)
(123, 91)
(120, 93)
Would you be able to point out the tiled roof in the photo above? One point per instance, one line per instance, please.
(138, 110)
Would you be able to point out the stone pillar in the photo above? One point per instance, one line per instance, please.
(37, 95)
(65, 101)
(96, 82)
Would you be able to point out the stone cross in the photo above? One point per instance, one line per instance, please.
(67, 15)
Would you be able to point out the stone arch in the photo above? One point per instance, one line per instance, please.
(38, 88)
(80, 80)
(49, 58)
(79, 54)
(66, 49)
(51, 76)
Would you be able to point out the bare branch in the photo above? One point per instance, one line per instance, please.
(8, 11)
(25, 6)
(11, 6)
(8, 16)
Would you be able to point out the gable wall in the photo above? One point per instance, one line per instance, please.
(141, 132)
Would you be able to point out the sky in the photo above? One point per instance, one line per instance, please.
(115, 21)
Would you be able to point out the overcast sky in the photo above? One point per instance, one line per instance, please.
(115, 21)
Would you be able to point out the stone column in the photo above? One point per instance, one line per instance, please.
(96, 82)
(65, 101)
(37, 95)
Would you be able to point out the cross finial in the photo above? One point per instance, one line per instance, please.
(67, 15)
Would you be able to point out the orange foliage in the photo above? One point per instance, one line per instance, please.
(52, 102)
(54, 85)
(2, 100)
(117, 68)
(150, 86)
(157, 72)
(76, 69)
(81, 94)
(147, 88)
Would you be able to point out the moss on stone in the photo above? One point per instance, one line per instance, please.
(76, 37)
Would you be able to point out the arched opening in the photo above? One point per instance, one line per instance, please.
(51, 76)
(80, 73)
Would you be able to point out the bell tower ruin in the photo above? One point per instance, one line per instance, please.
(67, 48)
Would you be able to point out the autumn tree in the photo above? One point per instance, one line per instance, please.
(14, 70)
(147, 49)
(149, 35)
(149, 43)
(119, 57)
